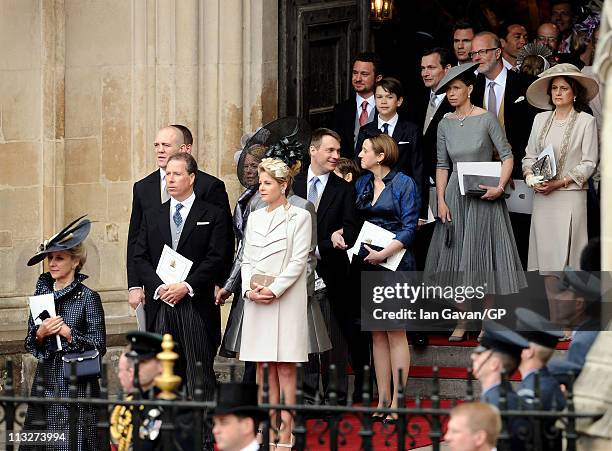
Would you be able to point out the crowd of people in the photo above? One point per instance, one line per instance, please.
(390, 158)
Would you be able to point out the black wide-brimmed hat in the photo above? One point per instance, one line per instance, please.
(144, 345)
(70, 236)
(453, 73)
(286, 138)
(238, 398)
(537, 329)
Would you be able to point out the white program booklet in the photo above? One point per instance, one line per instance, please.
(376, 235)
(172, 266)
(549, 151)
(141, 318)
(42, 307)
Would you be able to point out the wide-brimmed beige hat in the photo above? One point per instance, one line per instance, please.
(537, 94)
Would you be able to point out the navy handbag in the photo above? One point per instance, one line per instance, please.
(87, 364)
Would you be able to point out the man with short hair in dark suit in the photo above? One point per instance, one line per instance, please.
(193, 228)
(337, 229)
(150, 193)
(359, 109)
(503, 93)
(429, 109)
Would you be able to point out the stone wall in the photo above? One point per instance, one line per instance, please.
(84, 85)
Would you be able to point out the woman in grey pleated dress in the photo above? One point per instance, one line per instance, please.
(472, 244)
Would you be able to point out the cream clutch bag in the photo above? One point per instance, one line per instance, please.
(262, 279)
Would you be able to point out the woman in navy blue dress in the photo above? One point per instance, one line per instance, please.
(79, 322)
(390, 200)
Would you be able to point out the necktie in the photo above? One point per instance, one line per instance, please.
(385, 128)
(432, 99)
(177, 218)
(492, 101)
(313, 193)
(164, 191)
(363, 117)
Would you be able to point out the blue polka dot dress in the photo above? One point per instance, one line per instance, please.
(81, 310)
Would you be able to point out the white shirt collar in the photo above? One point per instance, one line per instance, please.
(500, 80)
(371, 102)
(187, 203)
(392, 122)
(162, 173)
(507, 64)
(253, 446)
(322, 178)
(439, 97)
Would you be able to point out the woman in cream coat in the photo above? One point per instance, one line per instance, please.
(275, 326)
(559, 218)
(558, 224)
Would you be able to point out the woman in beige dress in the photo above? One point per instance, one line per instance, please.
(559, 219)
(274, 326)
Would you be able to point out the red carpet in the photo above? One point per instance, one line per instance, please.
(384, 437)
(442, 340)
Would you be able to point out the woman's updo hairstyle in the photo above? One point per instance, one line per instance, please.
(278, 170)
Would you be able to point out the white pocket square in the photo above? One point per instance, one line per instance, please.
(403, 142)
(202, 223)
(520, 99)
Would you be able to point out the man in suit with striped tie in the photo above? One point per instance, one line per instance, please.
(334, 200)
(359, 109)
(186, 310)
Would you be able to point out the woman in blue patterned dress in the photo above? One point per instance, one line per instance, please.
(79, 322)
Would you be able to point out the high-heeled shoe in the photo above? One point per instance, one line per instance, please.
(287, 445)
(480, 335)
(390, 419)
(378, 417)
(457, 335)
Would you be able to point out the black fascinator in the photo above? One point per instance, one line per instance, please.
(287, 139)
(70, 236)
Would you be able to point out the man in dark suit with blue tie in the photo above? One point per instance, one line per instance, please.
(334, 200)
(150, 193)
(193, 228)
(359, 109)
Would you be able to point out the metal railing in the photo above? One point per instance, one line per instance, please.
(315, 425)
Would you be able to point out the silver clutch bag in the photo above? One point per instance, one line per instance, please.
(543, 168)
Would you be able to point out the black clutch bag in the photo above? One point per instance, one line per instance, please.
(363, 252)
(87, 364)
(471, 185)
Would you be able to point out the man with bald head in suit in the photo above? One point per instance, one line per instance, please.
(151, 192)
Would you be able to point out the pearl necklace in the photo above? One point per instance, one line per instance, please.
(461, 119)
